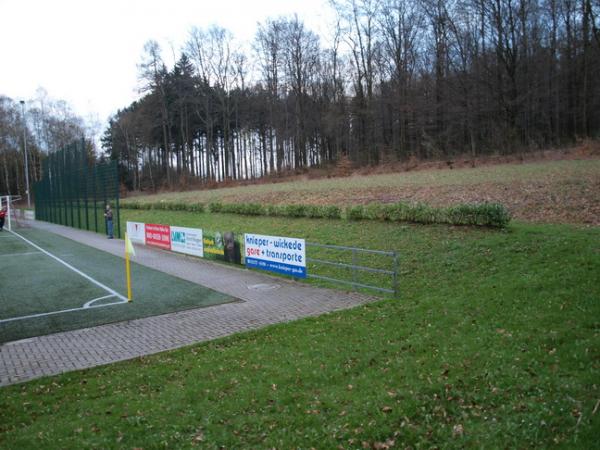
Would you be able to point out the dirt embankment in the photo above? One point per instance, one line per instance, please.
(566, 194)
(564, 201)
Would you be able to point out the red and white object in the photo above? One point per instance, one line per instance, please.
(158, 235)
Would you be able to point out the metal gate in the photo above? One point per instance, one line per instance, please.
(381, 267)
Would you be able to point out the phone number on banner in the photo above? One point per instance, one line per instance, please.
(277, 254)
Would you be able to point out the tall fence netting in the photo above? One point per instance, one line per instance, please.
(74, 191)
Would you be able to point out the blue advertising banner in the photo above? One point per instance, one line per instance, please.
(282, 255)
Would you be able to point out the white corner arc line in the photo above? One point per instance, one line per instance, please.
(91, 302)
(77, 271)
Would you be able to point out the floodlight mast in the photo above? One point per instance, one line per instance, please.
(26, 158)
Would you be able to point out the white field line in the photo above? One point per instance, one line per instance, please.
(6, 236)
(91, 302)
(77, 271)
(3, 255)
(88, 305)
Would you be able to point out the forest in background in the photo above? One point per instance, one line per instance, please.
(393, 81)
(44, 125)
(427, 79)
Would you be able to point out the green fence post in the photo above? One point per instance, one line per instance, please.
(116, 172)
(85, 195)
(71, 180)
(95, 200)
(48, 186)
(104, 199)
(63, 190)
(78, 186)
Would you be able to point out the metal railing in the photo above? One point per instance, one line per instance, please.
(355, 268)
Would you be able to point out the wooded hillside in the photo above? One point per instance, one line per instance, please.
(425, 79)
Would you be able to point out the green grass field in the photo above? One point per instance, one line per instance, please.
(35, 284)
(493, 343)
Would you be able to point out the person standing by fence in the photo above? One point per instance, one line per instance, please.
(108, 216)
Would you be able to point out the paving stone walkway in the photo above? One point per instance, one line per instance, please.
(265, 300)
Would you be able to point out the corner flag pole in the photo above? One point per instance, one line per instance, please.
(128, 251)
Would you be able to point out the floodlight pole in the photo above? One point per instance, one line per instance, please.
(26, 159)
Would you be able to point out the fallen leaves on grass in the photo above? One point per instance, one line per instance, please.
(389, 443)
(568, 195)
(458, 430)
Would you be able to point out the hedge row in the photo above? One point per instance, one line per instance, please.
(169, 206)
(255, 209)
(481, 214)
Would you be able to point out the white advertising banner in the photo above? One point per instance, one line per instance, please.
(136, 232)
(276, 254)
(187, 240)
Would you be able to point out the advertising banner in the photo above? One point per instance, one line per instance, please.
(136, 232)
(158, 235)
(187, 240)
(282, 255)
(224, 246)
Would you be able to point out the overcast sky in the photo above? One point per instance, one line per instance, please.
(86, 51)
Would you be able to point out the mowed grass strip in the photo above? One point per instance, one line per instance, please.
(34, 284)
(494, 343)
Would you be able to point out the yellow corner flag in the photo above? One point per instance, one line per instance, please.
(129, 246)
(129, 251)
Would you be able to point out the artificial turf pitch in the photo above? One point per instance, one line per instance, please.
(34, 284)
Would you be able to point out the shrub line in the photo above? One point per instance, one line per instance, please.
(476, 214)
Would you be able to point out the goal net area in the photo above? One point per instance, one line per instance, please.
(11, 215)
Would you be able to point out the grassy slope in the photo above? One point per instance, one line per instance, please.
(494, 343)
(502, 173)
(548, 192)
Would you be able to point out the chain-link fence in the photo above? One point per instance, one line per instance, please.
(74, 191)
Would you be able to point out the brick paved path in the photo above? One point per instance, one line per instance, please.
(266, 300)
